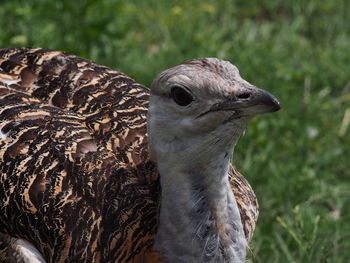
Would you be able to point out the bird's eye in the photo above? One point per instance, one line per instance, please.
(181, 96)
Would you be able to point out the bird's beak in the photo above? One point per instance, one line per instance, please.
(249, 102)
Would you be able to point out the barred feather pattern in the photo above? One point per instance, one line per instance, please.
(75, 176)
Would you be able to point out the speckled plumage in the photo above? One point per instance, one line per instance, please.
(75, 175)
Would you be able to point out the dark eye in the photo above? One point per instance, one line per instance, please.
(181, 96)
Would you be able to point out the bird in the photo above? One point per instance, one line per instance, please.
(95, 167)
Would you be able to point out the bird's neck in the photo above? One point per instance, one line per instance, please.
(199, 217)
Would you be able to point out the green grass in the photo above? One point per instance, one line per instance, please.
(298, 160)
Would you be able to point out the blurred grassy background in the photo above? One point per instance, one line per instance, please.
(298, 160)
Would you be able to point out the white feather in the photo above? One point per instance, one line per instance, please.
(9, 82)
(28, 252)
(2, 135)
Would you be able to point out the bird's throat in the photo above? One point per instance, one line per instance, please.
(199, 217)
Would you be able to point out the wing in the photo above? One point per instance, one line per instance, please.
(246, 201)
(74, 175)
(41, 149)
(112, 105)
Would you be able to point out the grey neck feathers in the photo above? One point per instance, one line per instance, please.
(199, 217)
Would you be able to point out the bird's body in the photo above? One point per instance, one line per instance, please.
(76, 177)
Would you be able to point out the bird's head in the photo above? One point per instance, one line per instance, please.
(202, 104)
(197, 112)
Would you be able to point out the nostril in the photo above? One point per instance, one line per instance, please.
(243, 95)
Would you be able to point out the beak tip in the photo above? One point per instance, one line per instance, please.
(276, 105)
(271, 102)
